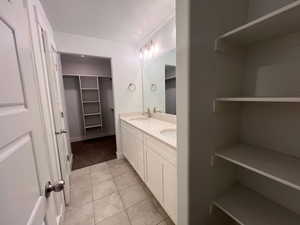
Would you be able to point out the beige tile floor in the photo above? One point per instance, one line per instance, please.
(111, 193)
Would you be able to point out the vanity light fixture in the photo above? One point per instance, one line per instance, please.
(148, 50)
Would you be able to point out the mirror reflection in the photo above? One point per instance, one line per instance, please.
(159, 82)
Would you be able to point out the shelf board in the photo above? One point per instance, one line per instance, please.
(89, 89)
(92, 114)
(282, 21)
(170, 77)
(260, 99)
(247, 207)
(274, 165)
(93, 126)
(86, 75)
(88, 102)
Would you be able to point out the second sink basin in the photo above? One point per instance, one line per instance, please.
(169, 133)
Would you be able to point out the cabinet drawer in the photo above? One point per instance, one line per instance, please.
(136, 132)
(162, 149)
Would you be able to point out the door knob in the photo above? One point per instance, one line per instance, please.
(57, 187)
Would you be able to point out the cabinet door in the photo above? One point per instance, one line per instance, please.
(125, 141)
(140, 167)
(154, 174)
(132, 149)
(170, 190)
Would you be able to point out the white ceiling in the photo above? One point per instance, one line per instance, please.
(118, 20)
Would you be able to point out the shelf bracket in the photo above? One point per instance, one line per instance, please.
(211, 207)
(212, 161)
(219, 45)
(214, 106)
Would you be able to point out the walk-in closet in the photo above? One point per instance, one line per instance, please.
(89, 98)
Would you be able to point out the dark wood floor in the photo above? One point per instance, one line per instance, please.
(90, 152)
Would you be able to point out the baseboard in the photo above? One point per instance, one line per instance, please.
(75, 139)
(120, 155)
(84, 138)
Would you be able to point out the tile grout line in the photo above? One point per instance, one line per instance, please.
(118, 191)
(143, 185)
(125, 210)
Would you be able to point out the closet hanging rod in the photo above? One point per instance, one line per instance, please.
(86, 75)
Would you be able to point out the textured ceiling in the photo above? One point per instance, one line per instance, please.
(119, 20)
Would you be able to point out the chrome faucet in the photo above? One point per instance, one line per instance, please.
(155, 110)
(148, 112)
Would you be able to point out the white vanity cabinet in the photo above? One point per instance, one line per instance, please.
(133, 148)
(155, 162)
(161, 174)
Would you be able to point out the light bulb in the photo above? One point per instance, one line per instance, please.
(141, 54)
(156, 48)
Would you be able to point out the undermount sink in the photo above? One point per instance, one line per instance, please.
(169, 133)
(139, 118)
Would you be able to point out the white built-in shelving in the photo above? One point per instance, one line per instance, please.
(90, 102)
(282, 21)
(277, 166)
(247, 207)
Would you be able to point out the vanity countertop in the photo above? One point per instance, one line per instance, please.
(153, 127)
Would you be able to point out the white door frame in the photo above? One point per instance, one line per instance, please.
(58, 112)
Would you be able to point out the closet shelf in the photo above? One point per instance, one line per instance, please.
(86, 75)
(282, 21)
(92, 114)
(88, 102)
(89, 89)
(93, 126)
(260, 99)
(170, 77)
(272, 164)
(247, 207)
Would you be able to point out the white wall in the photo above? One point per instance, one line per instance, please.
(125, 69)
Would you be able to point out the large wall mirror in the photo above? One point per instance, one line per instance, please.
(159, 82)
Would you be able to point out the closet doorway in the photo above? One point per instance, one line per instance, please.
(90, 108)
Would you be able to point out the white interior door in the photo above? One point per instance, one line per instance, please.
(49, 56)
(24, 166)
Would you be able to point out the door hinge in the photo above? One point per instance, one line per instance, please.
(68, 158)
(62, 114)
